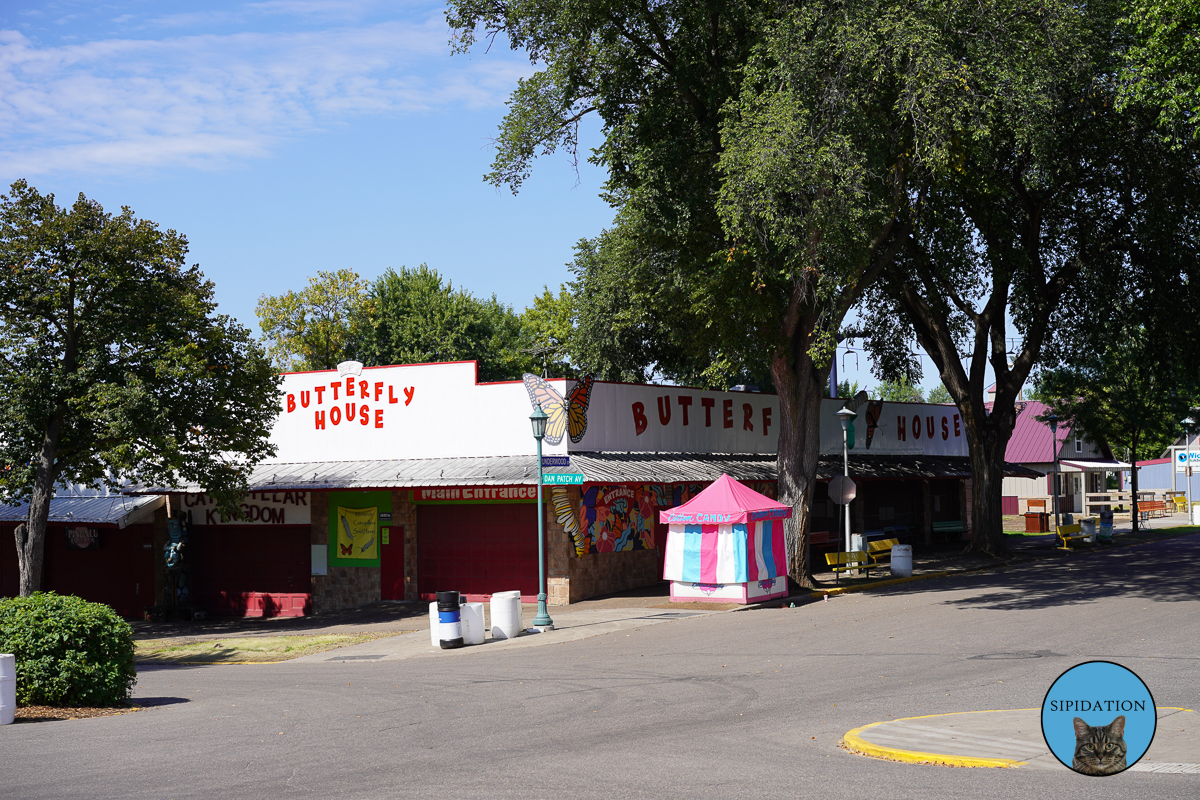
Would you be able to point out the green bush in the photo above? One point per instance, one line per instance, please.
(69, 652)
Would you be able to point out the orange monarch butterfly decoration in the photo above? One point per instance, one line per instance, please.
(566, 416)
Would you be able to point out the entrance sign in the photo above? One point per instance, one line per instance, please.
(1184, 459)
(561, 479)
(842, 489)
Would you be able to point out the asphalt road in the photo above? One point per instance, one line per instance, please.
(747, 704)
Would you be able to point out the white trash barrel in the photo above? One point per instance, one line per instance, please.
(506, 615)
(8, 688)
(902, 560)
(474, 630)
(435, 627)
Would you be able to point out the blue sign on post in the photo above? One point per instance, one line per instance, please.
(561, 479)
(556, 461)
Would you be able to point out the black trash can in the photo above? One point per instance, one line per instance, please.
(449, 620)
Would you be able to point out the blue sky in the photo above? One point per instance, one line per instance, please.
(286, 137)
(290, 136)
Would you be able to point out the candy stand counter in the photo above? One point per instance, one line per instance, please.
(726, 545)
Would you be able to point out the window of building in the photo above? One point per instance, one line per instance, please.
(1078, 443)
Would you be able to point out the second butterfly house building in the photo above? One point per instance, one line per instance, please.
(397, 482)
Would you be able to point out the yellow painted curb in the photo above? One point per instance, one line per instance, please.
(890, 582)
(857, 744)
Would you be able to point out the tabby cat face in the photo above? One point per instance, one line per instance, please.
(1099, 750)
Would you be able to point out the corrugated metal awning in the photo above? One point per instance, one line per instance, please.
(595, 467)
(117, 510)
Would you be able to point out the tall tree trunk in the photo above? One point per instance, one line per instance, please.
(987, 488)
(31, 536)
(800, 385)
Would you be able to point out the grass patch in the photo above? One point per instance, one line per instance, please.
(250, 649)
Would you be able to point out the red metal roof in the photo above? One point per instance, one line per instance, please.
(1030, 442)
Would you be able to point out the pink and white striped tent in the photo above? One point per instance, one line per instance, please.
(726, 544)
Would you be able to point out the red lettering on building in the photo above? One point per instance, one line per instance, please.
(305, 396)
(378, 390)
(364, 415)
(956, 433)
(766, 419)
(320, 423)
(684, 402)
(708, 404)
(901, 429)
(639, 418)
(916, 426)
(349, 387)
(929, 427)
(335, 386)
(409, 391)
(320, 390)
(392, 397)
(335, 415)
(379, 418)
(945, 429)
(291, 403)
(727, 414)
(747, 417)
(664, 409)
(363, 386)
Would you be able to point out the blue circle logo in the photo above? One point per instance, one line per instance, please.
(1098, 718)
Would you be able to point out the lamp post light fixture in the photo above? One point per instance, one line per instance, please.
(1188, 422)
(844, 416)
(538, 420)
(1053, 420)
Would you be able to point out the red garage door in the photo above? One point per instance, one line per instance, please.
(477, 549)
(118, 572)
(247, 558)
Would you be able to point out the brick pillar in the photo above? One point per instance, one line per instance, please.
(404, 513)
(560, 547)
(318, 506)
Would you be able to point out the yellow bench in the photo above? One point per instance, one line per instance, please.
(881, 549)
(845, 562)
(1070, 533)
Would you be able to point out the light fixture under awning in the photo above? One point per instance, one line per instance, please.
(1109, 465)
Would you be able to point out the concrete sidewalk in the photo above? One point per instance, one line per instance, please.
(571, 623)
(1013, 739)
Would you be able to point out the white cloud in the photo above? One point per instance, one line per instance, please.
(121, 104)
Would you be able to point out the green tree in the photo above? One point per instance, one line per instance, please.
(311, 329)
(847, 389)
(1162, 63)
(114, 365)
(767, 162)
(1130, 381)
(548, 331)
(1054, 185)
(417, 317)
(938, 394)
(898, 391)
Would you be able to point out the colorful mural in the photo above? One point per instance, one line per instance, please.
(617, 518)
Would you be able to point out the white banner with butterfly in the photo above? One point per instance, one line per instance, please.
(624, 417)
